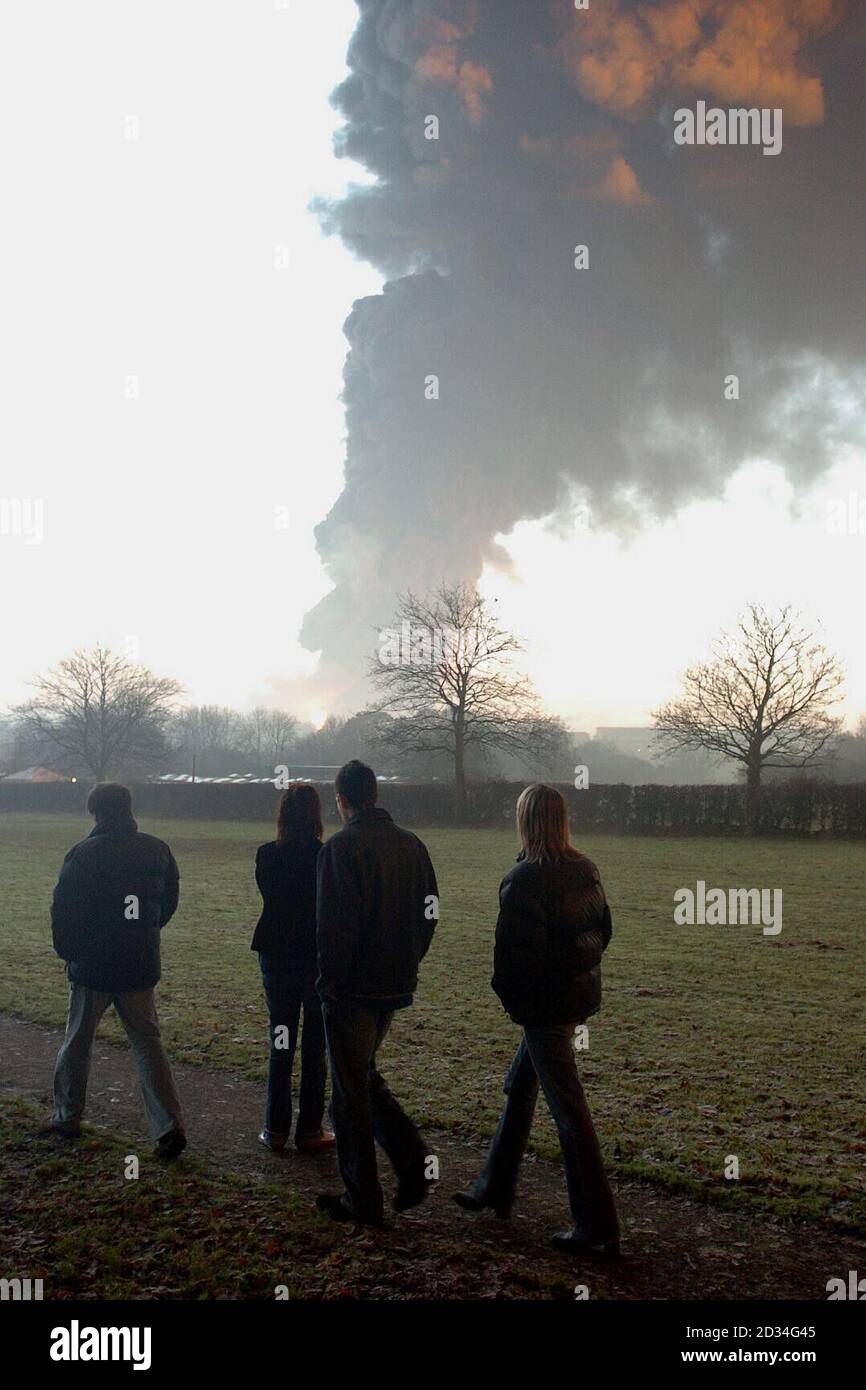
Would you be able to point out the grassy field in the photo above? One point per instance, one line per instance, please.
(713, 1041)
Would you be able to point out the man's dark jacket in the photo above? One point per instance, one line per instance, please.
(286, 931)
(553, 927)
(105, 881)
(378, 904)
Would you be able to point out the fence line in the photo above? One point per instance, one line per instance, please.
(802, 806)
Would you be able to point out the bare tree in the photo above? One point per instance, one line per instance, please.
(282, 735)
(446, 677)
(208, 739)
(269, 734)
(763, 700)
(101, 711)
(255, 734)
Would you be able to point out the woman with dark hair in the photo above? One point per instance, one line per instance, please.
(285, 938)
(553, 927)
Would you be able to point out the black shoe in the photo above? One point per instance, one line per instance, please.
(170, 1146)
(411, 1192)
(334, 1204)
(468, 1202)
(578, 1245)
(60, 1129)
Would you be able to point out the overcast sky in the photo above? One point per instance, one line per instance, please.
(173, 346)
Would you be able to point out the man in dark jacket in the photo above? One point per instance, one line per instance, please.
(378, 905)
(116, 891)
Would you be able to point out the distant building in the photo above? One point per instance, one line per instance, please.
(37, 774)
(318, 772)
(640, 743)
(682, 766)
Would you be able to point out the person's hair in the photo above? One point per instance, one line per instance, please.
(299, 813)
(356, 783)
(109, 799)
(542, 824)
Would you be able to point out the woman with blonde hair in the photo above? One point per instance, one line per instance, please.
(553, 927)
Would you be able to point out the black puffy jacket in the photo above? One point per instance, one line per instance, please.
(553, 927)
(116, 891)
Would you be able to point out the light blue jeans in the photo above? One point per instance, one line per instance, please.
(137, 1013)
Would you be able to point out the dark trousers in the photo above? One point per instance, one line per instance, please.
(364, 1110)
(546, 1057)
(288, 994)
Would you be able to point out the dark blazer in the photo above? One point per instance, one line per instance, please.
(553, 928)
(286, 875)
(116, 891)
(378, 904)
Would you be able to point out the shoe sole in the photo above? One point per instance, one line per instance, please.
(591, 1252)
(408, 1205)
(501, 1213)
(168, 1155)
(347, 1218)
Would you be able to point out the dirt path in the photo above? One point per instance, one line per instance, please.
(675, 1247)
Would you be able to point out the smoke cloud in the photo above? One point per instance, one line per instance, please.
(601, 387)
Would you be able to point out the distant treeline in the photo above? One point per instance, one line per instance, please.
(800, 806)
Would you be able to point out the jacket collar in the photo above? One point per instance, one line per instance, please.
(124, 824)
(368, 815)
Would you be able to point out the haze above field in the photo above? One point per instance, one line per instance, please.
(173, 346)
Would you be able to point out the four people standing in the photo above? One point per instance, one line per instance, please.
(343, 929)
